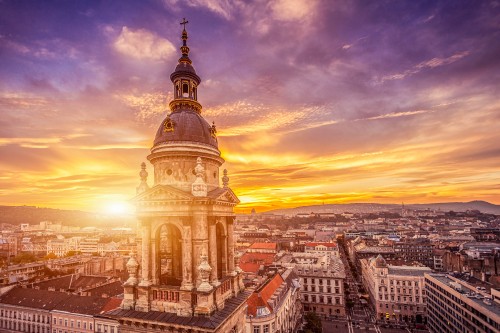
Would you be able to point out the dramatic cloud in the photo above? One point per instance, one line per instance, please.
(314, 101)
(143, 44)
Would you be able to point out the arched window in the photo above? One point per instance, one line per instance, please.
(185, 90)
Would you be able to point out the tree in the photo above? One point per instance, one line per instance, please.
(50, 255)
(24, 258)
(72, 253)
(313, 323)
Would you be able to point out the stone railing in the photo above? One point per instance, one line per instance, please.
(165, 294)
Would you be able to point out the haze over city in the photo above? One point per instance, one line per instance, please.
(314, 101)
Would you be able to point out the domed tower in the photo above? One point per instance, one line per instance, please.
(184, 135)
(186, 257)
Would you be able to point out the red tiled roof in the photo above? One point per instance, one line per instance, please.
(323, 243)
(250, 267)
(264, 258)
(260, 297)
(267, 246)
(112, 304)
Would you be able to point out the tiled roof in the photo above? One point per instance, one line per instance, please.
(70, 282)
(267, 246)
(54, 300)
(109, 289)
(321, 243)
(249, 267)
(89, 305)
(250, 262)
(260, 297)
(32, 298)
(112, 304)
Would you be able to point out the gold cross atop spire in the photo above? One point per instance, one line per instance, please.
(184, 22)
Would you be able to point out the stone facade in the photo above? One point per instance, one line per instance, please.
(322, 284)
(396, 292)
(185, 265)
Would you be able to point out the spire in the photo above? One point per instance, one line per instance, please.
(185, 79)
(184, 47)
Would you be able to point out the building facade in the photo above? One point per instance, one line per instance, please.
(323, 286)
(456, 306)
(330, 249)
(275, 306)
(420, 250)
(396, 292)
(186, 260)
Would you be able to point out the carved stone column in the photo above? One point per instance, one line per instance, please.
(187, 262)
(230, 246)
(146, 254)
(155, 265)
(200, 238)
(212, 245)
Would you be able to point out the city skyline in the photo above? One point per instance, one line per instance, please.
(314, 102)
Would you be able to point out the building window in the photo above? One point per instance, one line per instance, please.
(266, 328)
(256, 329)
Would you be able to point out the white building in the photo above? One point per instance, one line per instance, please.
(275, 306)
(396, 292)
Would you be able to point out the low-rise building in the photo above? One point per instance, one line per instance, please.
(323, 286)
(419, 249)
(330, 249)
(396, 292)
(44, 311)
(275, 306)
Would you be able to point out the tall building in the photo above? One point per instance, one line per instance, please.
(456, 306)
(186, 278)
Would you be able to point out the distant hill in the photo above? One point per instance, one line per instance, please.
(34, 215)
(483, 206)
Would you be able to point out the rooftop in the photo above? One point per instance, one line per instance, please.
(266, 246)
(469, 293)
(166, 318)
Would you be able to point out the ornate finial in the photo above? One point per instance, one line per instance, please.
(184, 47)
(143, 186)
(225, 179)
(204, 269)
(132, 266)
(237, 258)
(199, 188)
(213, 130)
(199, 169)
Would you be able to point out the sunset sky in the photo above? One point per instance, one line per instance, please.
(314, 101)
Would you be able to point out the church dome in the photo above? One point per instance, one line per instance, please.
(185, 69)
(186, 126)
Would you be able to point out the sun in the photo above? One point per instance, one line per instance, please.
(118, 208)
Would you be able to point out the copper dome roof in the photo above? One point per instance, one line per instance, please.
(187, 126)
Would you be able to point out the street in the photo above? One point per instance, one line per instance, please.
(360, 317)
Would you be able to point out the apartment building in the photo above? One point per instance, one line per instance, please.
(275, 306)
(323, 286)
(396, 292)
(330, 249)
(457, 306)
